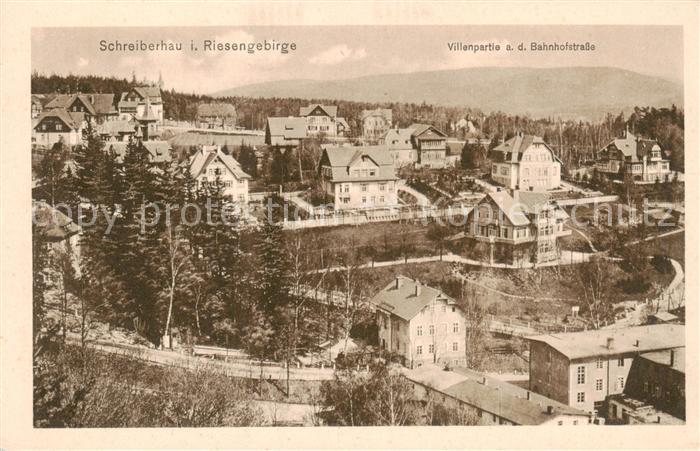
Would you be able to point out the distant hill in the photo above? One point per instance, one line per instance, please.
(570, 93)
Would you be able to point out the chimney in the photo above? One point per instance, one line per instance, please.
(636, 343)
(398, 282)
(528, 395)
(611, 343)
(417, 288)
(658, 419)
(484, 381)
(673, 357)
(550, 410)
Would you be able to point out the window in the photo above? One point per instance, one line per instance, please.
(431, 349)
(581, 374)
(599, 384)
(431, 330)
(364, 187)
(419, 331)
(382, 187)
(455, 327)
(575, 422)
(581, 397)
(620, 383)
(364, 199)
(453, 309)
(444, 308)
(419, 350)
(381, 199)
(455, 346)
(560, 423)
(599, 363)
(372, 172)
(621, 361)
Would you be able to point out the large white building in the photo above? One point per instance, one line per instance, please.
(525, 162)
(323, 119)
(211, 163)
(141, 101)
(359, 177)
(420, 323)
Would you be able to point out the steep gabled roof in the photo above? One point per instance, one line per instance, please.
(514, 148)
(420, 129)
(402, 136)
(205, 156)
(330, 110)
(403, 301)
(512, 209)
(71, 120)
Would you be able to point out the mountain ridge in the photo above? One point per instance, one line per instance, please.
(569, 92)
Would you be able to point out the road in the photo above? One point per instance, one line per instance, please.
(230, 368)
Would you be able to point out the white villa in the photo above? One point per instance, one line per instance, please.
(420, 323)
(210, 163)
(525, 162)
(359, 177)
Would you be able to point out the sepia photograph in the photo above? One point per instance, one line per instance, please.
(445, 237)
(337, 225)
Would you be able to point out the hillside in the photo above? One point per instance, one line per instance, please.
(571, 93)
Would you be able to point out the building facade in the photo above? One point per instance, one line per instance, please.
(642, 158)
(210, 163)
(582, 369)
(323, 119)
(359, 177)
(398, 142)
(525, 162)
(285, 132)
(430, 145)
(139, 100)
(56, 125)
(523, 228)
(375, 124)
(96, 108)
(420, 323)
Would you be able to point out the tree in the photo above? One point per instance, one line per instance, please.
(178, 258)
(39, 285)
(476, 331)
(65, 262)
(438, 233)
(473, 156)
(52, 171)
(594, 281)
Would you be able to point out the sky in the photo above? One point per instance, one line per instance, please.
(345, 52)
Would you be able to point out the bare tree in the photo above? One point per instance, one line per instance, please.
(594, 281)
(178, 255)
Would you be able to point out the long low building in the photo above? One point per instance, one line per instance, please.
(582, 369)
(491, 401)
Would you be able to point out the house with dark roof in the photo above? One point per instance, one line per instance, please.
(420, 323)
(522, 228)
(323, 119)
(631, 154)
(159, 152)
(525, 162)
(58, 124)
(490, 401)
(211, 164)
(216, 116)
(375, 124)
(95, 107)
(141, 101)
(118, 130)
(583, 369)
(359, 177)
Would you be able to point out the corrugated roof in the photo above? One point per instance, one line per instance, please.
(403, 301)
(287, 127)
(579, 345)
